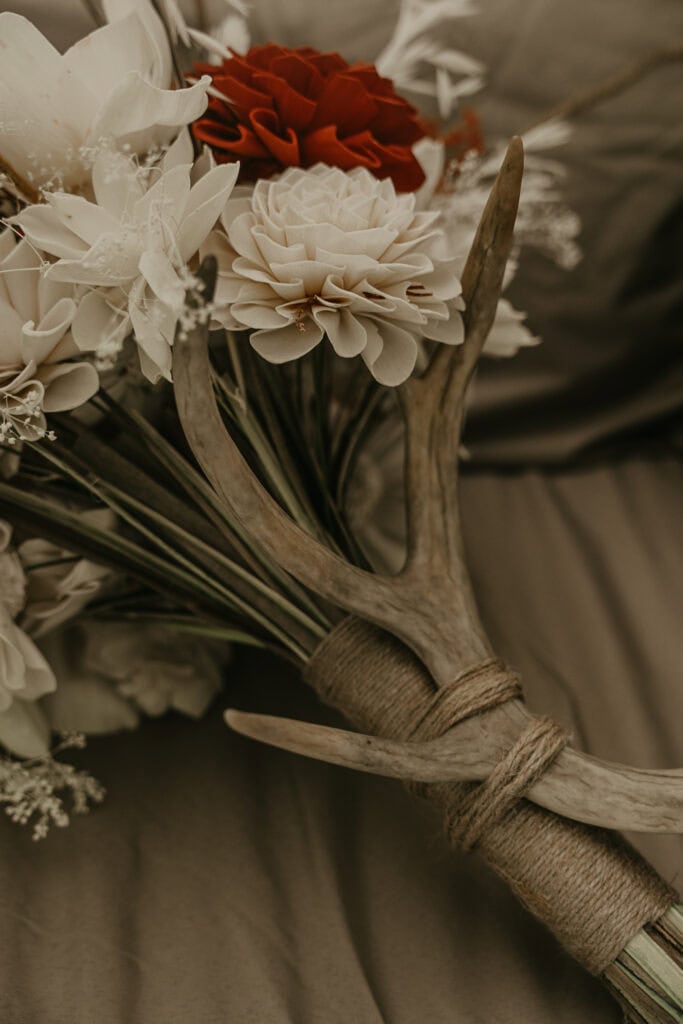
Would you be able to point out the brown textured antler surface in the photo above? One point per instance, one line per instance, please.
(429, 605)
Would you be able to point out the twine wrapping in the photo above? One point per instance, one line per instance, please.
(588, 885)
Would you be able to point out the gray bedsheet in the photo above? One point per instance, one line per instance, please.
(222, 882)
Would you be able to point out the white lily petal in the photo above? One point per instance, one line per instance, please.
(179, 153)
(97, 322)
(160, 73)
(204, 206)
(164, 204)
(43, 228)
(102, 58)
(117, 183)
(43, 106)
(135, 106)
(88, 221)
(151, 327)
(162, 277)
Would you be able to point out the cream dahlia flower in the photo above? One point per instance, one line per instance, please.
(325, 252)
(132, 245)
(37, 372)
(114, 85)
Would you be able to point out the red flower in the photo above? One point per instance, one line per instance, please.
(296, 108)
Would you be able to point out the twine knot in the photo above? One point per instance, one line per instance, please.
(479, 690)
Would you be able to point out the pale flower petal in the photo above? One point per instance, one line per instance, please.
(117, 183)
(68, 385)
(18, 271)
(42, 106)
(341, 251)
(44, 228)
(286, 343)
(98, 323)
(89, 704)
(346, 332)
(59, 585)
(24, 672)
(431, 155)
(448, 332)
(396, 361)
(204, 206)
(162, 278)
(179, 152)
(101, 59)
(161, 71)
(508, 333)
(114, 86)
(40, 343)
(24, 730)
(135, 106)
(86, 220)
(136, 248)
(35, 345)
(153, 326)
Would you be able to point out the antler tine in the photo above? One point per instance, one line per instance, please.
(482, 280)
(433, 404)
(285, 541)
(379, 599)
(576, 785)
(439, 623)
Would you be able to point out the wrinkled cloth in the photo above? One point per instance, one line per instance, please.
(222, 881)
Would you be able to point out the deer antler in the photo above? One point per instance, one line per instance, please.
(429, 605)
(575, 786)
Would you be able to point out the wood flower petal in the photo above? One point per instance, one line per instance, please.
(287, 343)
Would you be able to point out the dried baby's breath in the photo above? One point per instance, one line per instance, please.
(34, 792)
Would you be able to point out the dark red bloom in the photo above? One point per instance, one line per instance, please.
(296, 108)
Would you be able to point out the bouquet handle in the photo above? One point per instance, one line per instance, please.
(588, 885)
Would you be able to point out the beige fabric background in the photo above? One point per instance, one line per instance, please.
(224, 883)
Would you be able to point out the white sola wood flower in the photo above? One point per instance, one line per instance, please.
(328, 252)
(38, 373)
(115, 84)
(132, 245)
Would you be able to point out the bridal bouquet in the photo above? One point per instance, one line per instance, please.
(224, 270)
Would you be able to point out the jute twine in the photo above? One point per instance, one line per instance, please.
(588, 885)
